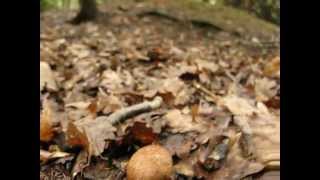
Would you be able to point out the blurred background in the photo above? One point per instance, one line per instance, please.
(268, 10)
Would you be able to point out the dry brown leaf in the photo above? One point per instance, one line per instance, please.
(181, 123)
(46, 155)
(273, 102)
(206, 65)
(103, 170)
(183, 97)
(47, 78)
(238, 105)
(91, 134)
(180, 69)
(82, 161)
(236, 167)
(78, 105)
(178, 145)
(265, 89)
(205, 108)
(143, 134)
(111, 80)
(184, 167)
(266, 138)
(109, 104)
(272, 68)
(79, 50)
(48, 119)
(171, 85)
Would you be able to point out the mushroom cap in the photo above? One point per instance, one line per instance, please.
(152, 162)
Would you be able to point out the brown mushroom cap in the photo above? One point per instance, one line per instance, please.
(152, 162)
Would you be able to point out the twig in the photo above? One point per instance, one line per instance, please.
(214, 97)
(134, 110)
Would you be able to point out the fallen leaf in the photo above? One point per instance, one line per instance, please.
(266, 138)
(47, 78)
(184, 167)
(171, 85)
(46, 155)
(265, 89)
(273, 102)
(91, 134)
(103, 170)
(111, 80)
(181, 123)
(236, 167)
(48, 119)
(78, 105)
(272, 68)
(238, 105)
(109, 103)
(178, 145)
(81, 162)
(206, 65)
(143, 134)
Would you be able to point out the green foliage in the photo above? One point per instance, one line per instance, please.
(47, 4)
(59, 4)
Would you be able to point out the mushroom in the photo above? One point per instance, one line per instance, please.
(152, 162)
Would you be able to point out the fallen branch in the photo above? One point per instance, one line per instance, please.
(134, 110)
(93, 134)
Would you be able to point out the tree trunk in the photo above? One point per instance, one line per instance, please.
(88, 11)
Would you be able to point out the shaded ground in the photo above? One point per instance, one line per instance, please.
(123, 59)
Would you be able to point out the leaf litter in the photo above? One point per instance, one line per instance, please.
(109, 88)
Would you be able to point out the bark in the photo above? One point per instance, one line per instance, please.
(88, 11)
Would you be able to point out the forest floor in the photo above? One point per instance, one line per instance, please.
(217, 89)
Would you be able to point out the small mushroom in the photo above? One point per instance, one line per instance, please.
(152, 162)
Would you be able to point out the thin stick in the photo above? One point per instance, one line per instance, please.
(214, 97)
(128, 112)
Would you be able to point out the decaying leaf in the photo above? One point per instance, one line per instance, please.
(109, 104)
(184, 167)
(78, 105)
(81, 162)
(266, 138)
(238, 105)
(48, 120)
(103, 170)
(111, 80)
(265, 89)
(46, 155)
(272, 68)
(206, 65)
(182, 123)
(143, 134)
(47, 78)
(236, 167)
(91, 134)
(179, 145)
(171, 85)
